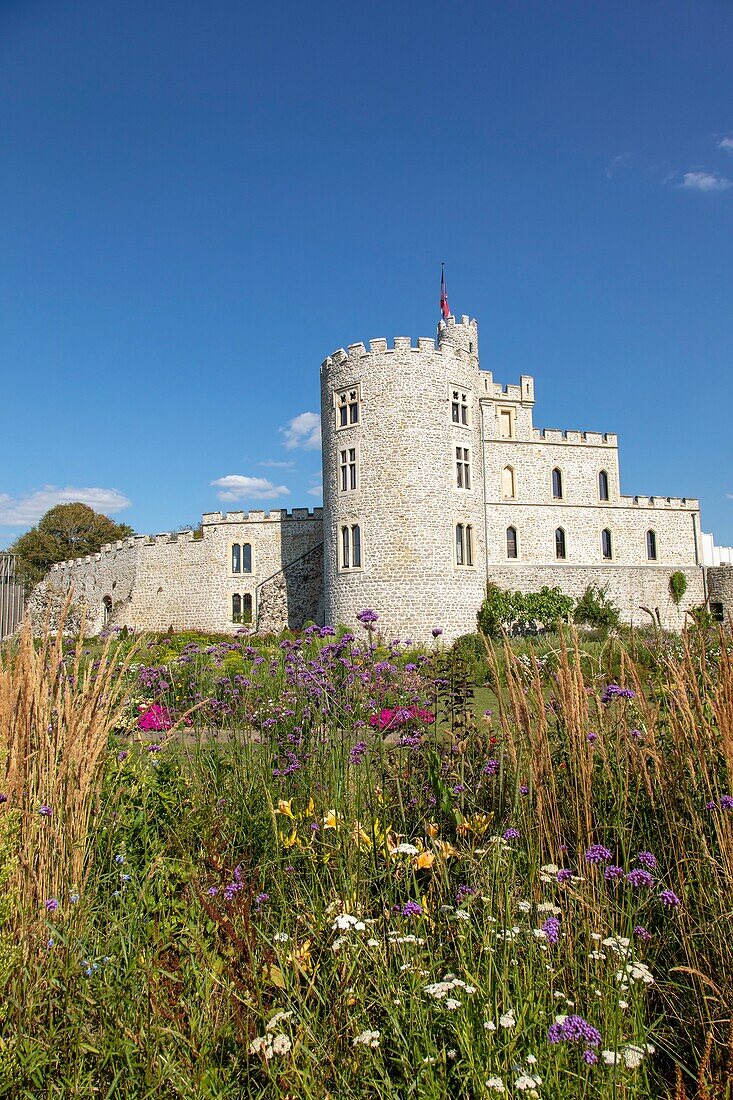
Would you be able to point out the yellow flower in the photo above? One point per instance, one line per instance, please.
(331, 820)
(446, 849)
(432, 829)
(289, 841)
(285, 808)
(424, 861)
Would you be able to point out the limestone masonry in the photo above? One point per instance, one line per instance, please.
(435, 481)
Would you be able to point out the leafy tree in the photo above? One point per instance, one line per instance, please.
(66, 531)
(596, 608)
(522, 612)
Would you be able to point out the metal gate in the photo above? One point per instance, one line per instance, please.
(11, 596)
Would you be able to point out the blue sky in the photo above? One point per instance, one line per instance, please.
(200, 200)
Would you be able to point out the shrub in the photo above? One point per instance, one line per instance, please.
(497, 611)
(596, 608)
(677, 586)
(522, 612)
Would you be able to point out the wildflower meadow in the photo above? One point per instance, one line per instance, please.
(333, 865)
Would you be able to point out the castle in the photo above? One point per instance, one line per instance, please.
(435, 481)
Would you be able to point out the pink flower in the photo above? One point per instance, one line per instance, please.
(155, 718)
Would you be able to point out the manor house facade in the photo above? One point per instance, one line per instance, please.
(435, 481)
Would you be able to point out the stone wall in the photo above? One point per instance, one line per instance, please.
(720, 590)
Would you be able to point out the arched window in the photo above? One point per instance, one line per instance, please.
(603, 485)
(247, 608)
(560, 548)
(508, 483)
(511, 542)
(247, 558)
(557, 484)
(651, 545)
(464, 544)
(350, 547)
(106, 608)
(606, 544)
(236, 558)
(236, 608)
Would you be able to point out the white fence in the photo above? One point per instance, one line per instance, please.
(11, 596)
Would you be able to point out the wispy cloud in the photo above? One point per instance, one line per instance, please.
(239, 487)
(727, 144)
(27, 510)
(272, 465)
(303, 431)
(617, 164)
(704, 181)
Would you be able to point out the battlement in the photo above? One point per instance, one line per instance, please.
(492, 390)
(453, 335)
(592, 439)
(274, 515)
(690, 504)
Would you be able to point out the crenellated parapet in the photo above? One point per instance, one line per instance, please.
(255, 515)
(684, 504)
(455, 338)
(557, 435)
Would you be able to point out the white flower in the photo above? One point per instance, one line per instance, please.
(524, 906)
(462, 914)
(633, 1055)
(452, 1004)
(597, 955)
(367, 1039)
(623, 1004)
(531, 1060)
(507, 1019)
(406, 850)
(489, 1025)
(495, 1084)
(281, 937)
(372, 942)
(281, 1044)
(451, 1053)
(548, 907)
(610, 1057)
(276, 1019)
(528, 1082)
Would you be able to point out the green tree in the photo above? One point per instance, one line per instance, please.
(66, 531)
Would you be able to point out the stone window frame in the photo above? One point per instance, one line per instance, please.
(507, 545)
(244, 601)
(242, 548)
(513, 478)
(604, 486)
(607, 544)
(345, 545)
(464, 545)
(512, 421)
(347, 467)
(460, 401)
(463, 467)
(561, 544)
(556, 484)
(651, 544)
(342, 400)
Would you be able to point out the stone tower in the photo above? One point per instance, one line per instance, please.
(403, 483)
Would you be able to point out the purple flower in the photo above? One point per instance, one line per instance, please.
(122, 755)
(613, 691)
(45, 811)
(511, 834)
(491, 767)
(670, 899)
(639, 877)
(726, 802)
(564, 874)
(641, 933)
(710, 806)
(590, 1057)
(261, 899)
(551, 928)
(598, 853)
(213, 891)
(3, 798)
(647, 859)
(523, 788)
(51, 904)
(437, 631)
(411, 909)
(368, 617)
(356, 755)
(592, 737)
(155, 748)
(464, 892)
(613, 872)
(574, 1029)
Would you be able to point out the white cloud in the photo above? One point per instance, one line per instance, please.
(272, 465)
(303, 431)
(727, 144)
(616, 164)
(238, 487)
(316, 491)
(704, 181)
(25, 511)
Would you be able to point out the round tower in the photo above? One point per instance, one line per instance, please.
(403, 516)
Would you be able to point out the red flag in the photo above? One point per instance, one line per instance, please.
(444, 307)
